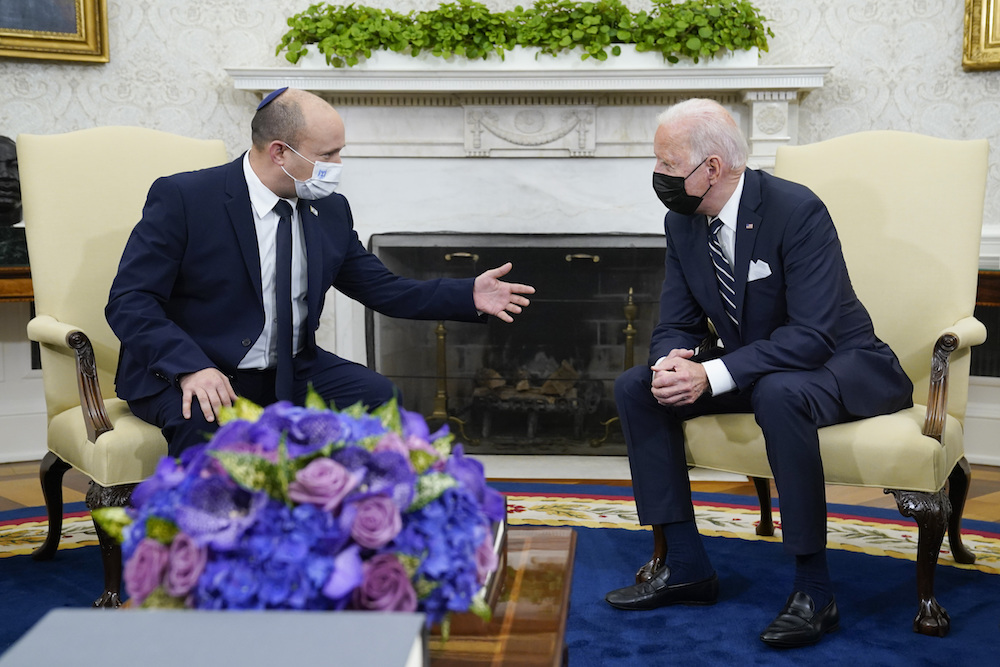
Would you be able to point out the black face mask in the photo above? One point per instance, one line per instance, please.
(670, 190)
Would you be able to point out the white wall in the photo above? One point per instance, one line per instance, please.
(896, 65)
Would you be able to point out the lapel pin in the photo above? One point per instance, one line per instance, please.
(314, 211)
(749, 225)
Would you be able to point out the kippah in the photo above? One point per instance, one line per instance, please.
(270, 96)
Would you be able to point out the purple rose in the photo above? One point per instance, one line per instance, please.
(377, 521)
(187, 562)
(385, 587)
(143, 571)
(323, 483)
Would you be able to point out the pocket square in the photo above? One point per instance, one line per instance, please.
(758, 269)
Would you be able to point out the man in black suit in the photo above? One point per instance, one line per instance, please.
(759, 257)
(195, 302)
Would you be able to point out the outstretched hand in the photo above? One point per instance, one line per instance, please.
(496, 297)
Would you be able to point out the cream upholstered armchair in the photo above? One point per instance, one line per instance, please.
(82, 193)
(908, 209)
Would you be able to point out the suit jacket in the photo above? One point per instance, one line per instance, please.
(188, 291)
(798, 311)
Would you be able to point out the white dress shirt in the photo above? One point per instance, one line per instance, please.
(263, 353)
(719, 378)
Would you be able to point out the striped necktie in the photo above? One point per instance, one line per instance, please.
(723, 271)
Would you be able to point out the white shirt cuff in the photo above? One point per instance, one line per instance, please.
(719, 378)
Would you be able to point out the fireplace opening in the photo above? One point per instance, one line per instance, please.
(543, 384)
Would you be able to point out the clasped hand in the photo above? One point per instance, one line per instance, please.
(496, 297)
(677, 380)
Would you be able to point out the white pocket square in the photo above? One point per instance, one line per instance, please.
(758, 269)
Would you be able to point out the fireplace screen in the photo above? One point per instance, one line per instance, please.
(543, 383)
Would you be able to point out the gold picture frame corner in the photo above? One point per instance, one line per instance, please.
(981, 36)
(88, 43)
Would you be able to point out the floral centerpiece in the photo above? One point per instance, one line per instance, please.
(310, 508)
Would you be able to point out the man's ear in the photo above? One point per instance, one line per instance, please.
(714, 166)
(276, 151)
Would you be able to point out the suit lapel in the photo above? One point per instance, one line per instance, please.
(747, 225)
(241, 218)
(314, 264)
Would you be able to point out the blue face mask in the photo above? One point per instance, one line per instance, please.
(671, 191)
(323, 182)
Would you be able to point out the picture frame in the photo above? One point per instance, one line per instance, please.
(981, 37)
(66, 30)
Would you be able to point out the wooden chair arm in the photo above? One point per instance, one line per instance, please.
(965, 333)
(49, 331)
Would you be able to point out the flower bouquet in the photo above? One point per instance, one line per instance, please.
(310, 508)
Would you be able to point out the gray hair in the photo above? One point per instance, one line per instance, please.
(711, 131)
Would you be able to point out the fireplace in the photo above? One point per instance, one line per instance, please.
(467, 152)
(543, 383)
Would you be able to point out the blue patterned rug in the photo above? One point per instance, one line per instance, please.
(870, 558)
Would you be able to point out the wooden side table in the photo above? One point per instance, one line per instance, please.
(988, 293)
(15, 284)
(529, 620)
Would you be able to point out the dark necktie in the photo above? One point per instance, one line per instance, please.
(283, 300)
(723, 271)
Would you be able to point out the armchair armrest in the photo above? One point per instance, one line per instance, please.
(50, 331)
(963, 334)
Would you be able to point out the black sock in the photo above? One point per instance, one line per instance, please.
(686, 556)
(812, 576)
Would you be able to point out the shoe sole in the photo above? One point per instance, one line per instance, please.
(684, 603)
(780, 644)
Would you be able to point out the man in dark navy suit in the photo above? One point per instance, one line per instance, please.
(194, 303)
(759, 258)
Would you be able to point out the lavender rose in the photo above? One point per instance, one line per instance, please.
(187, 562)
(377, 522)
(324, 483)
(386, 587)
(143, 571)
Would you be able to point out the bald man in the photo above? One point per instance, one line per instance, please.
(195, 303)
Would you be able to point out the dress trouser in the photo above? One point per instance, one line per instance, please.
(340, 382)
(789, 408)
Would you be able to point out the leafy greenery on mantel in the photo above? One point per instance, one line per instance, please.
(692, 29)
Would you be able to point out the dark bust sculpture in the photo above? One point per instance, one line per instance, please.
(10, 186)
(13, 249)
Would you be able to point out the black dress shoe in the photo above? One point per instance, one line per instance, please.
(659, 592)
(799, 624)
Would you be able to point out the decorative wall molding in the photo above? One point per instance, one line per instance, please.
(541, 131)
(578, 112)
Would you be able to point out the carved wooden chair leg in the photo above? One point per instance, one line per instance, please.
(111, 552)
(659, 558)
(51, 474)
(958, 491)
(931, 512)
(766, 525)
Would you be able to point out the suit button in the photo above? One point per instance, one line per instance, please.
(246, 342)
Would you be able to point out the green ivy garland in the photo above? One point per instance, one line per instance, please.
(692, 29)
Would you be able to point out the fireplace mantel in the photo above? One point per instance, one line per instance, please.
(595, 112)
